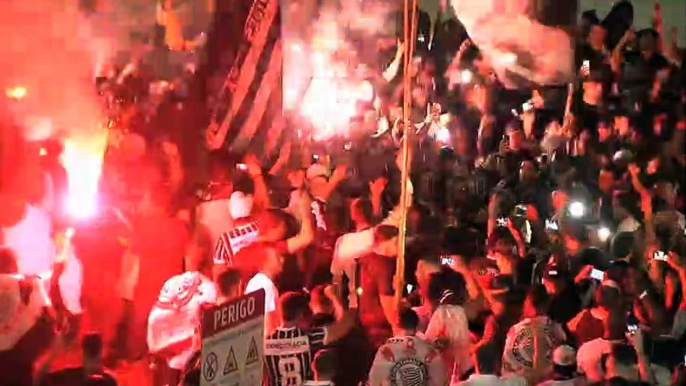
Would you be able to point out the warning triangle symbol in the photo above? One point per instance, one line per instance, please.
(253, 355)
(231, 363)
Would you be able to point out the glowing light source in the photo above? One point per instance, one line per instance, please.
(17, 93)
(443, 135)
(82, 159)
(577, 209)
(466, 76)
(508, 58)
(604, 234)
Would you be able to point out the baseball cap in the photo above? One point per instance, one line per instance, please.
(564, 356)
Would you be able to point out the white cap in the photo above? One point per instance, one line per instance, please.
(564, 356)
(240, 205)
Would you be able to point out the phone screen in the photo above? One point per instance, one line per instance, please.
(660, 256)
(409, 288)
(520, 210)
(551, 225)
(597, 274)
(242, 167)
(447, 260)
(632, 328)
(502, 222)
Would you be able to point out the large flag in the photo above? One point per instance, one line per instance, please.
(527, 41)
(23, 302)
(248, 104)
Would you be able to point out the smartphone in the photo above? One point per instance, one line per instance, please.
(597, 274)
(586, 64)
(632, 328)
(242, 167)
(528, 106)
(501, 222)
(447, 260)
(409, 288)
(660, 256)
(551, 225)
(520, 210)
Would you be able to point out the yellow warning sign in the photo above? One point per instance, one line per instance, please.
(253, 354)
(231, 363)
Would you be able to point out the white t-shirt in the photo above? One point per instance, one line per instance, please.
(519, 354)
(588, 358)
(350, 247)
(407, 361)
(449, 321)
(493, 380)
(271, 293)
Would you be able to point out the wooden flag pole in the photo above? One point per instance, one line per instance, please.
(409, 32)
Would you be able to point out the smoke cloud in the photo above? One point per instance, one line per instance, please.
(50, 48)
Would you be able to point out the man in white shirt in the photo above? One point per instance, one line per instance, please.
(272, 264)
(590, 355)
(353, 245)
(486, 367)
(407, 360)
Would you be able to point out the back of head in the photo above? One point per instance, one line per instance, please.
(319, 299)
(92, 345)
(362, 210)
(486, 356)
(325, 364)
(537, 300)
(615, 325)
(293, 306)
(229, 282)
(447, 287)
(408, 320)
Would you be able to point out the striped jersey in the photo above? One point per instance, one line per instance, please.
(231, 242)
(288, 354)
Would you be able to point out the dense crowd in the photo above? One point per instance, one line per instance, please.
(545, 240)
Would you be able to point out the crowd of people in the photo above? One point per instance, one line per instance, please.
(545, 240)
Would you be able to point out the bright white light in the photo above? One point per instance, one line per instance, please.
(577, 209)
(82, 159)
(509, 58)
(603, 234)
(443, 135)
(17, 93)
(366, 91)
(466, 76)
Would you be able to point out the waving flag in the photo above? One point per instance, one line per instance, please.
(22, 302)
(526, 41)
(249, 34)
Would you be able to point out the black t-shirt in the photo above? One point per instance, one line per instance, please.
(77, 376)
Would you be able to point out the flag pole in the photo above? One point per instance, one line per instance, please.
(409, 31)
